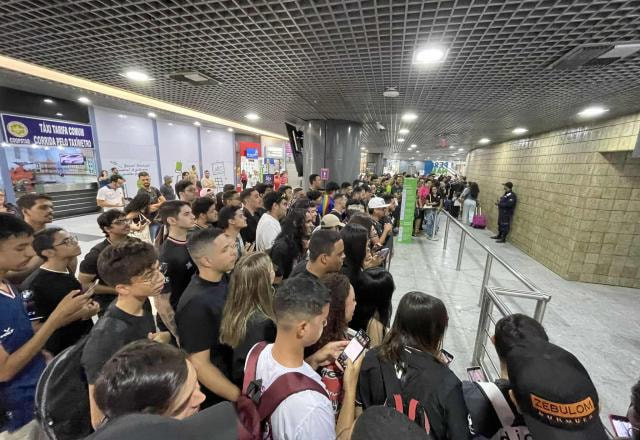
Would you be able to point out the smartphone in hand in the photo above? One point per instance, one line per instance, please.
(354, 349)
(476, 374)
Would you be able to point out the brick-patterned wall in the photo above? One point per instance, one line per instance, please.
(578, 191)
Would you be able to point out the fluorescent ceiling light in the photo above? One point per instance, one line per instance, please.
(592, 112)
(409, 117)
(151, 114)
(519, 130)
(429, 55)
(403, 131)
(230, 130)
(252, 116)
(47, 101)
(136, 75)
(401, 140)
(59, 114)
(484, 140)
(197, 124)
(84, 100)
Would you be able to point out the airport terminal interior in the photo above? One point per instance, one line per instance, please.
(450, 189)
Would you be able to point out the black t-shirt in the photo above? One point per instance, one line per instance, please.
(248, 234)
(483, 416)
(180, 267)
(89, 266)
(426, 379)
(49, 288)
(198, 318)
(259, 328)
(298, 268)
(113, 331)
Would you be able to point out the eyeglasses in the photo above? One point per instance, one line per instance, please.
(72, 239)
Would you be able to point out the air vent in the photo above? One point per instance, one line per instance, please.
(594, 55)
(195, 78)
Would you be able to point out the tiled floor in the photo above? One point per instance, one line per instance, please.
(598, 323)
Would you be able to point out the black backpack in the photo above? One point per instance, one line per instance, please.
(62, 396)
(407, 405)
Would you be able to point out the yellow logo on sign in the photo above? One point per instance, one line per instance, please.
(18, 129)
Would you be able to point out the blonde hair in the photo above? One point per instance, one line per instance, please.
(250, 292)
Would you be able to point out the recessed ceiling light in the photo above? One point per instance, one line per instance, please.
(403, 131)
(151, 114)
(136, 75)
(429, 55)
(460, 149)
(417, 151)
(409, 117)
(451, 146)
(401, 140)
(592, 112)
(47, 101)
(252, 116)
(208, 131)
(484, 140)
(59, 114)
(230, 130)
(170, 124)
(413, 145)
(84, 100)
(197, 124)
(122, 116)
(519, 130)
(362, 148)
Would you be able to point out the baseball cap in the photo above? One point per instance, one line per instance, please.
(330, 221)
(508, 185)
(377, 202)
(200, 426)
(383, 423)
(554, 392)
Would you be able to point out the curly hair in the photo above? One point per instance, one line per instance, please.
(338, 285)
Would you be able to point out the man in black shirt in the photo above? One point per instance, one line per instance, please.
(339, 206)
(326, 254)
(204, 210)
(251, 200)
(115, 226)
(132, 268)
(178, 218)
(199, 313)
(51, 282)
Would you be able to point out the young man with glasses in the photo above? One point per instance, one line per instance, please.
(269, 225)
(115, 226)
(47, 286)
(133, 270)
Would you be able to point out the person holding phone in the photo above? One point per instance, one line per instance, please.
(51, 282)
(412, 352)
(137, 211)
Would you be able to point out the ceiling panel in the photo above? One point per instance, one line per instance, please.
(294, 60)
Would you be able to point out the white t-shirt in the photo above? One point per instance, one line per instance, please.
(266, 232)
(111, 196)
(307, 415)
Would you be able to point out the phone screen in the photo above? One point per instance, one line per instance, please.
(354, 349)
(382, 253)
(621, 425)
(476, 374)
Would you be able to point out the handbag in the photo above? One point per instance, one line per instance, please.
(143, 234)
(479, 220)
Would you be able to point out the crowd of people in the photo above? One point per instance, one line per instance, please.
(206, 308)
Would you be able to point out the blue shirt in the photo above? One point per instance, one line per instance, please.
(17, 395)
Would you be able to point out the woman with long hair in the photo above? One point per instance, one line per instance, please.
(291, 244)
(137, 211)
(248, 315)
(469, 197)
(373, 312)
(341, 307)
(148, 377)
(356, 242)
(410, 359)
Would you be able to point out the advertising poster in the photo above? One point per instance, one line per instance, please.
(129, 169)
(407, 210)
(24, 130)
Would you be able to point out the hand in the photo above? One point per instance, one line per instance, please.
(387, 227)
(327, 354)
(92, 308)
(373, 261)
(351, 373)
(249, 248)
(162, 337)
(68, 310)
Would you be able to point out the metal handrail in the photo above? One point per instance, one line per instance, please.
(491, 255)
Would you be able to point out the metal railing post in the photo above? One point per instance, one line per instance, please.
(541, 307)
(483, 328)
(487, 275)
(461, 250)
(446, 233)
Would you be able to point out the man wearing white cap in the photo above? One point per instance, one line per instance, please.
(378, 210)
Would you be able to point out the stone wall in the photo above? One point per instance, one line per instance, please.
(578, 191)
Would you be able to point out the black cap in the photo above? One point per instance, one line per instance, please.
(508, 185)
(384, 423)
(218, 421)
(555, 393)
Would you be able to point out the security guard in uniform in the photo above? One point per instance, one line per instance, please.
(506, 206)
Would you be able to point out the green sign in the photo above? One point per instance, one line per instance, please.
(407, 210)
